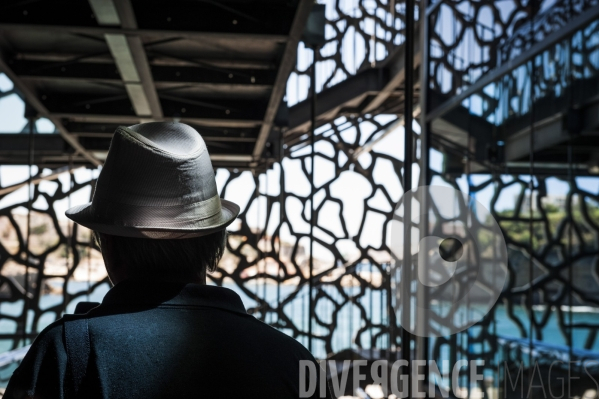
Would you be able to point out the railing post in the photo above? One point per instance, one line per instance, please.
(312, 154)
(406, 277)
(422, 343)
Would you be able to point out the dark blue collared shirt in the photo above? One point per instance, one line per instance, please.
(167, 340)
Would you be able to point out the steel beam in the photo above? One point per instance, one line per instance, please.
(175, 107)
(105, 12)
(132, 119)
(390, 128)
(31, 98)
(127, 17)
(233, 158)
(130, 57)
(406, 263)
(548, 133)
(349, 93)
(235, 64)
(206, 138)
(19, 142)
(80, 129)
(211, 37)
(285, 68)
(105, 73)
(395, 66)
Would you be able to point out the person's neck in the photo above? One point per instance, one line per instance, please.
(166, 279)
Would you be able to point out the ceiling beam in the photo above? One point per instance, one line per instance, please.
(285, 68)
(347, 94)
(129, 55)
(147, 89)
(52, 149)
(79, 128)
(251, 64)
(31, 98)
(215, 38)
(228, 157)
(395, 65)
(104, 72)
(19, 142)
(387, 130)
(205, 137)
(132, 119)
(105, 12)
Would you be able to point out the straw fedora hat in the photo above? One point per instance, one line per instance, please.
(157, 182)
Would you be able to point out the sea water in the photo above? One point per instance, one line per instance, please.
(349, 319)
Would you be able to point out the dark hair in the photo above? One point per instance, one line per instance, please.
(187, 258)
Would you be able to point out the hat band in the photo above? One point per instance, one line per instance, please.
(200, 213)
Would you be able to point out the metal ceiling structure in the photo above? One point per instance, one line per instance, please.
(371, 91)
(219, 67)
(513, 122)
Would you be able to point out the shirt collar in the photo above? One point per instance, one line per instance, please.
(153, 293)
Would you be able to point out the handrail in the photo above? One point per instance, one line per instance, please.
(546, 347)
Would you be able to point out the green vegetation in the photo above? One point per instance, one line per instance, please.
(519, 230)
(39, 229)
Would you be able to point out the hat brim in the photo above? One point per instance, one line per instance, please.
(83, 215)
